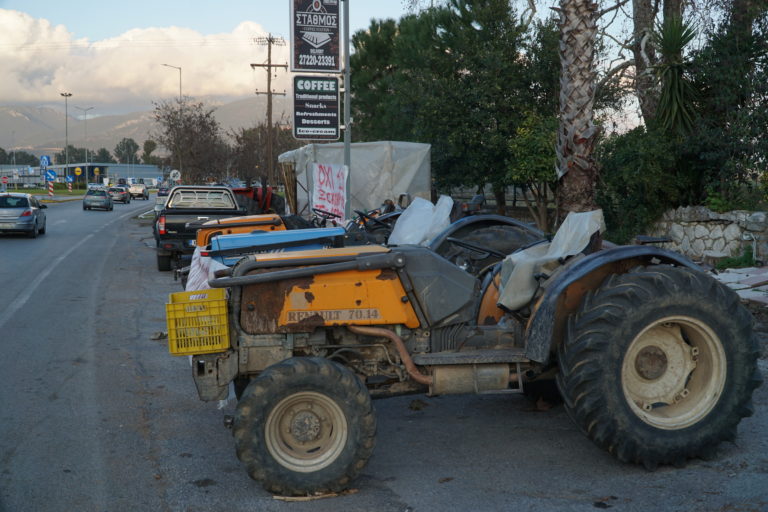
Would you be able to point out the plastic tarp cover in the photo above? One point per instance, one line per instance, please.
(517, 282)
(378, 170)
(200, 271)
(421, 222)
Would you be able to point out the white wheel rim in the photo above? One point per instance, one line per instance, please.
(306, 432)
(674, 372)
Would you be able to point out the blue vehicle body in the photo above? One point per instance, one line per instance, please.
(228, 249)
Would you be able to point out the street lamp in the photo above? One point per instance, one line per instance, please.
(85, 118)
(179, 68)
(181, 115)
(66, 131)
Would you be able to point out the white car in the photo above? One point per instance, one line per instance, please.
(139, 190)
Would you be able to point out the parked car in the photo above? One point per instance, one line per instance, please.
(21, 213)
(120, 194)
(139, 190)
(97, 198)
(95, 185)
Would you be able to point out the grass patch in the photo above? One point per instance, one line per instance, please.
(745, 260)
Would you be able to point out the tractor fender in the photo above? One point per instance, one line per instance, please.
(565, 291)
(474, 222)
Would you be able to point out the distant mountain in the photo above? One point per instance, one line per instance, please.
(41, 130)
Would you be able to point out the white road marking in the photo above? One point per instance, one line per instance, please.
(24, 297)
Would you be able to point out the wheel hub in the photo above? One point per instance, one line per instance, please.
(673, 372)
(651, 363)
(305, 426)
(306, 431)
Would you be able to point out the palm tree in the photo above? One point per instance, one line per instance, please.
(577, 134)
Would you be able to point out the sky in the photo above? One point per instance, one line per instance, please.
(109, 54)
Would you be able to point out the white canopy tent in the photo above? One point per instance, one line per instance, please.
(379, 170)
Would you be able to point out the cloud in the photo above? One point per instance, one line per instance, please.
(41, 60)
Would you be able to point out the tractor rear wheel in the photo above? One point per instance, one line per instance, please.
(304, 426)
(659, 365)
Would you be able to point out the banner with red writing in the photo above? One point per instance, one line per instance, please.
(329, 192)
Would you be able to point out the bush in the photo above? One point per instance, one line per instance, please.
(638, 181)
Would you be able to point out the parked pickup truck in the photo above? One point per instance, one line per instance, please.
(138, 190)
(185, 210)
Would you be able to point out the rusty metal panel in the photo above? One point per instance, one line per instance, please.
(371, 297)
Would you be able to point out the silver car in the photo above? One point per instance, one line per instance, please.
(97, 198)
(21, 213)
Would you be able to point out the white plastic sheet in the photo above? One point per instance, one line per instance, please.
(378, 170)
(518, 285)
(200, 271)
(421, 221)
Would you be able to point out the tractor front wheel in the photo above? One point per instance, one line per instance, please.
(659, 365)
(304, 426)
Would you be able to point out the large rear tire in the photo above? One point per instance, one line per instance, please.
(305, 425)
(659, 365)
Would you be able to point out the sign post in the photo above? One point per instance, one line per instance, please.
(50, 176)
(316, 107)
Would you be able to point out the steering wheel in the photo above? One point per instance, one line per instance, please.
(365, 217)
(325, 216)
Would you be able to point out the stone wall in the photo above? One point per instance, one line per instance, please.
(702, 234)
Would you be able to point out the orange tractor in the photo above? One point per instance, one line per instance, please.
(654, 359)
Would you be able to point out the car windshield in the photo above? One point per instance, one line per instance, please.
(115, 189)
(94, 192)
(13, 202)
(201, 199)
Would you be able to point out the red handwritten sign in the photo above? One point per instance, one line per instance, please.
(329, 192)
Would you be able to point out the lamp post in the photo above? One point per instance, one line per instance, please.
(181, 116)
(85, 118)
(66, 131)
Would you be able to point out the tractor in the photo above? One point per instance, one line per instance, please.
(655, 360)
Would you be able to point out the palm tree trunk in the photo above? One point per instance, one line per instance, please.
(577, 134)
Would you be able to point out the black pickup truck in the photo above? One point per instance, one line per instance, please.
(177, 222)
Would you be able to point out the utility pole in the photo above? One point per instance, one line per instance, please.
(66, 96)
(269, 41)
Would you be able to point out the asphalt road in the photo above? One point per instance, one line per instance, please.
(95, 415)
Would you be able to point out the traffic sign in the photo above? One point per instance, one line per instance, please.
(50, 175)
(96, 171)
(78, 171)
(45, 161)
(5, 180)
(175, 175)
(70, 178)
(315, 107)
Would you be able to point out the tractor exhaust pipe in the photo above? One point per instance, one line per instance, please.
(400, 346)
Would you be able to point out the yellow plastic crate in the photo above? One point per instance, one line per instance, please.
(197, 322)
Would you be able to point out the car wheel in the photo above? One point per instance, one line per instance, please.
(33, 233)
(85, 207)
(305, 426)
(42, 230)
